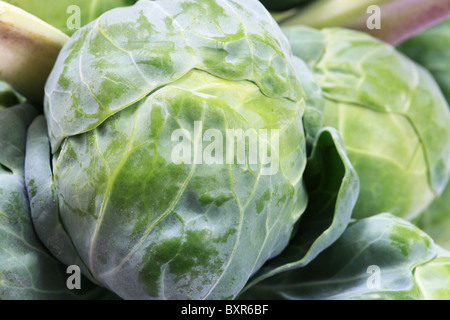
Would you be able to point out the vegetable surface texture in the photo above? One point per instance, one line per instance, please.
(27, 269)
(224, 150)
(431, 49)
(391, 114)
(126, 93)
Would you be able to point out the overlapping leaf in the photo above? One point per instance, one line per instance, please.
(390, 113)
(27, 269)
(381, 257)
(332, 186)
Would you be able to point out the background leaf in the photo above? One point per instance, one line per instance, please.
(406, 261)
(27, 269)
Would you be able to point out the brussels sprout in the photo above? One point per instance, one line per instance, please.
(135, 101)
(390, 112)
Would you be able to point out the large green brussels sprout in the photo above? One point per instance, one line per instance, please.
(138, 191)
(390, 112)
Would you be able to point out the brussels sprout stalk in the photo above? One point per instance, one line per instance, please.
(402, 19)
(326, 13)
(399, 19)
(29, 48)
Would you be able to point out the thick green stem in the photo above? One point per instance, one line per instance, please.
(328, 13)
(28, 49)
(399, 19)
(402, 19)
